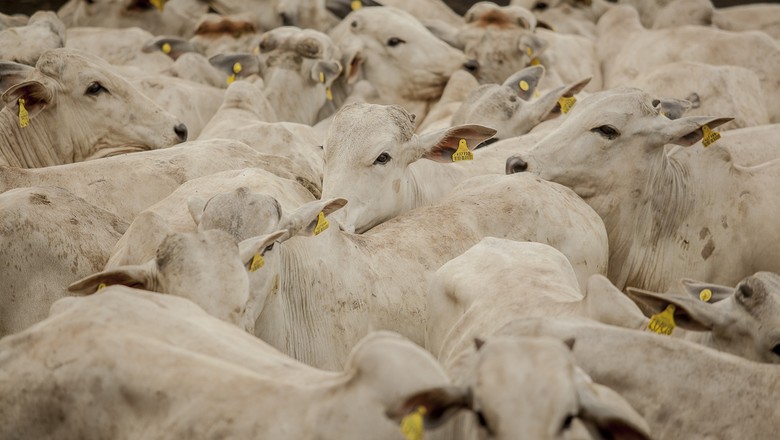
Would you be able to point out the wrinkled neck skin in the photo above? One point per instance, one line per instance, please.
(34, 146)
(645, 222)
(293, 98)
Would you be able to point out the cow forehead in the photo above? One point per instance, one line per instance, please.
(181, 249)
(387, 18)
(606, 106)
(358, 128)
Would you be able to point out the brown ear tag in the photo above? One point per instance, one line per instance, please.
(462, 152)
(663, 323)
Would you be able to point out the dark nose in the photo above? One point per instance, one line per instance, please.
(515, 165)
(181, 132)
(286, 19)
(471, 65)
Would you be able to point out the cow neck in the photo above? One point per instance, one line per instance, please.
(644, 223)
(296, 106)
(428, 182)
(29, 147)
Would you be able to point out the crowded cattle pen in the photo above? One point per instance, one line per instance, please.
(382, 219)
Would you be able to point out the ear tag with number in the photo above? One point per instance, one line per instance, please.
(24, 118)
(709, 137)
(257, 262)
(523, 85)
(705, 295)
(412, 425)
(322, 224)
(566, 103)
(663, 323)
(463, 152)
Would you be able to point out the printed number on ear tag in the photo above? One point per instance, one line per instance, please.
(24, 118)
(709, 137)
(257, 262)
(663, 323)
(705, 295)
(463, 152)
(412, 426)
(322, 224)
(567, 103)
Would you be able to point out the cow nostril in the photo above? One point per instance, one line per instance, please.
(471, 65)
(181, 131)
(515, 165)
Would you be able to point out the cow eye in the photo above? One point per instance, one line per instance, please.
(483, 421)
(94, 88)
(540, 6)
(567, 422)
(776, 349)
(607, 131)
(269, 248)
(382, 159)
(392, 42)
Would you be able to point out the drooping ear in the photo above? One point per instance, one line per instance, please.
(549, 105)
(605, 303)
(174, 47)
(672, 108)
(12, 73)
(352, 59)
(688, 131)
(607, 411)
(237, 65)
(446, 32)
(304, 220)
(531, 46)
(36, 94)
(196, 206)
(325, 72)
(440, 145)
(689, 314)
(140, 277)
(440, 404)
(525, 82)
(250, 247)
(698, 290)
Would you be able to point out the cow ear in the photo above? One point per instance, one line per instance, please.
(36, 95)
(325, 72)
(440, 145)
(605, 303)
(672, 108)
(689, 314)
(196, 206)
(525, 82)
(237, 65)
(707, 292)
(174, 47)
(305, 219)
(250, 247)
(531, 46)
(688, 131)
(12, 73)
(608, 412)
(140, 277)
(435, 405)
(352, 61)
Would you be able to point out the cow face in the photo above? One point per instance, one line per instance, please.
(368, 151)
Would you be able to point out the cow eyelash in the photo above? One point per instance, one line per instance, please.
(382, 159)
(607, 131)
(394, 41)
(95, 88)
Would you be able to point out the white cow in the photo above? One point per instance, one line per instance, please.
(678, 387)
(135, 364)
(48, 239)
(24, 44)
(761, 16)
(178, 17)
(72, 107)
(406, 64)
(127, 184)
(119, 47)
(329, 290)
(668, 216)
(559, 401)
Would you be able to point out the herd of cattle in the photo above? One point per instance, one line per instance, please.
(311, 219)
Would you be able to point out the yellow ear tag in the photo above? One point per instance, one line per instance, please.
(328, 94)
(663, 323)
(523, 85)
(237, 68)
(24, 118)
(230, 79)
(567, 103)
(705, 295)
(412, 426)
(356, 4)
(463, 152)
(709, 136)
(322, 224)
(535, 62)
(322, 77)
(159, 4)
(257, 262)
(166, 48)
(101, 286)
(256, 50)
(529, 51)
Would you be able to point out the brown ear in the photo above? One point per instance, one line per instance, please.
(440, 145)
(440, 404)
(36, 95)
